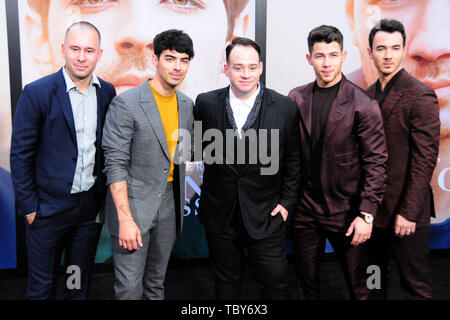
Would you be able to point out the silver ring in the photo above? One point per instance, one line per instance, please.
(408, 231)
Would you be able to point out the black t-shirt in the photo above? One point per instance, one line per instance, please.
(323, 99)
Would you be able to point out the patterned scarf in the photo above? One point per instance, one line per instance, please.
(251, 116)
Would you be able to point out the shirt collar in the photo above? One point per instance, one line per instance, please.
(390, 84)
(249, 102)
(70, 84)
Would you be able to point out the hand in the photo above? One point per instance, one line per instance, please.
(280, 209)
(404, 227)
(30, 218)
(362, 230)
(129, 235)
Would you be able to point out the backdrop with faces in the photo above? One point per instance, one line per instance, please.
(284, 39)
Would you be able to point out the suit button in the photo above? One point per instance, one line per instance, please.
(165, 170)
(74, 159)
(69, 183)
(160, 195)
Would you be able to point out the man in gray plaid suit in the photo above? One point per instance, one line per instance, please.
(145, 201)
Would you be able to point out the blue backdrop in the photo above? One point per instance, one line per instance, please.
(7, 222)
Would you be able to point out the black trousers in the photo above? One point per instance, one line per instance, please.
(74, 230)
(310, 232)
(412, 256)
(267, 255)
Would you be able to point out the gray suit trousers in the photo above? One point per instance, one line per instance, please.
(140, 274)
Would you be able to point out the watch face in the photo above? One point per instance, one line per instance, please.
(369, 218)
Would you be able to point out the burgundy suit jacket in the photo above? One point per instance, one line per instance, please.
(411, 120)
(354, 152)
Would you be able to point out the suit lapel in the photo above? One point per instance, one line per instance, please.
(182, 121)
(372, 89)
(148, 104)
(337, 110)
(223, 124)
(181, 111)
(306, 109)
(391, 100)
(225, 107)
(99, 131)
(64, 103)
(100, 115)
(393, 96)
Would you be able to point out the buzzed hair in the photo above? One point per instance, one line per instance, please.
(84, 24)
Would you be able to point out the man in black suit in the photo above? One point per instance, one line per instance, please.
(246, 197)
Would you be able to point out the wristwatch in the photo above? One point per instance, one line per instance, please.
(366, 217)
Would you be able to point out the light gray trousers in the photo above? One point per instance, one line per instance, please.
(140, 274)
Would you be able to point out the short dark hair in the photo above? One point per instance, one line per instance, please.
(387, 25)
(173, 40)
(84, 24)
(244, 42)
(326, 34)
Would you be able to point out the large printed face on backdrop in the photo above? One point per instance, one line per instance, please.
(427, 58)
(128, 28)
(5, 106)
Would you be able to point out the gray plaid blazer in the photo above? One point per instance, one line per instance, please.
(136, 150)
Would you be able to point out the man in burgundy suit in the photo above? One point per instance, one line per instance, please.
(411, 119)
(343, 168)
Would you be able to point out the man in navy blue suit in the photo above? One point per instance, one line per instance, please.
(56, 165)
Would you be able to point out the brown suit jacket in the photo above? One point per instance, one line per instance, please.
(411, 120)
(354, 150)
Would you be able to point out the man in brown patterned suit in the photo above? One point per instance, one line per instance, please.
(411, 120)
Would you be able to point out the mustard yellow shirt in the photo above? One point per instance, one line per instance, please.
(168, 110)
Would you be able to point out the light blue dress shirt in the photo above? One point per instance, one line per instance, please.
(84, 109)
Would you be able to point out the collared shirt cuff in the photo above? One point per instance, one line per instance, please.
(368, 206)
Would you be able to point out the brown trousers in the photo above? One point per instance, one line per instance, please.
(309, 238)
(412, 257)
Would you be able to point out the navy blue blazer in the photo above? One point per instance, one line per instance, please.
(44, 146)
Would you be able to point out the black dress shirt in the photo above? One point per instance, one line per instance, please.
(381, 95)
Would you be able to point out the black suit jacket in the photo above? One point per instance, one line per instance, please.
(227, 185)
(411, 120)
(353, 169)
